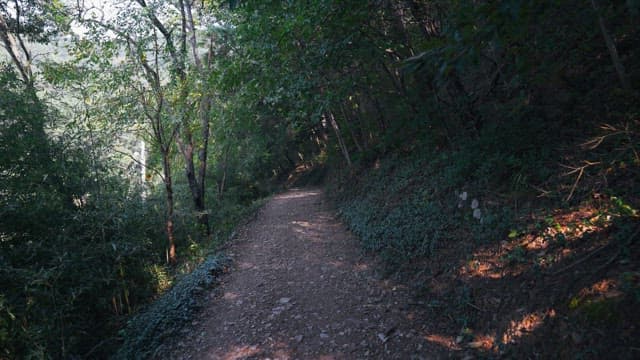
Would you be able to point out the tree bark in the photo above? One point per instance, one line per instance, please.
(222, 182)
(336, 129)
(20, 57)
(349, 129)
(172, 256)
(196, 185)
(613, 51)
(186, 141)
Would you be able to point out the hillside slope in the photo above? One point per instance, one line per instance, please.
(504, 275)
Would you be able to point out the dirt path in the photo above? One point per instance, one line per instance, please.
(301, 289)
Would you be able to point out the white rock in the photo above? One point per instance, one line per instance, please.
(463, 196)
(477, 214)
(474, 204)
(284, 300)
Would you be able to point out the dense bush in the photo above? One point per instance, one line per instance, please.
(74, 252)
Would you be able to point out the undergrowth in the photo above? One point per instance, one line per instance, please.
(147, 332)
(405, 207)
(520, 228)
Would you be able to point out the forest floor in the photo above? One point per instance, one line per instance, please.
(300, 288)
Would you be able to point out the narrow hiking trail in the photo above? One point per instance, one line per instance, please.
(299, 288)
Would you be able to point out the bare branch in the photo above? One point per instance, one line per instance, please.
(580, 170)
(9, 42)
(192, 30)
(179, 65)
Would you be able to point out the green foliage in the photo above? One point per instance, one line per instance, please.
(38, 21)
(407, 105)
(516, 256)
(76, 280)
(600, 311)
(406, 205)
(630, 283)
(405, 208)
(147, 332)
(73, 251)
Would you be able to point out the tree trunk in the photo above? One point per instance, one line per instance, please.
(195, 180)
(224, 164)
(349, 129)
(17, 51)
(172, 257)
(203, 216)
(382, 124)
(336, 129)
(195, 186)
(613, 51)
(185, 139)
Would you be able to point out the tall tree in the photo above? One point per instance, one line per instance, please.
(163, 40)
(194, 98)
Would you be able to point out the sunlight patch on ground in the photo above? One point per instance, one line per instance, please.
(544, 247)
(245, 265)
(482, 266)
(535, 243)
(526, 325)
(229, 295)
(442, 340)
(603, 289)
(240, 352)
(281, 351)
(482, 342)
(298, 194)
(311, 231)
(304, 224)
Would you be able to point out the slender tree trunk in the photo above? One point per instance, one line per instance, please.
(195, 186)
(336, 129)
(363, 124)
(223, 180)
(185, 139)
(353, 135)
(172, 257)
(399, 85)
(382, 124)
(203, 216)
(17, 51)
(613, 51)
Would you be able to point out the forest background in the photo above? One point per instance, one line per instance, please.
(136, 136)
